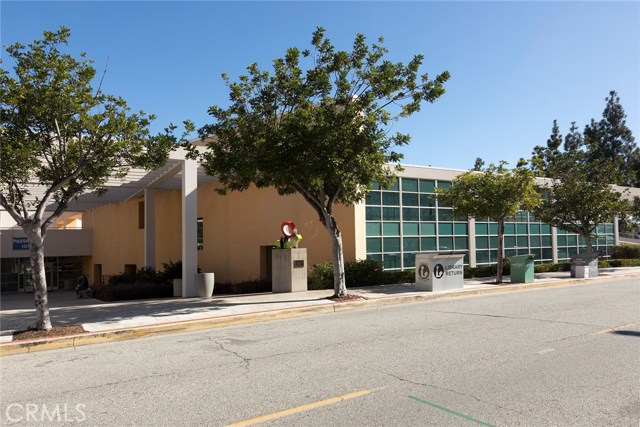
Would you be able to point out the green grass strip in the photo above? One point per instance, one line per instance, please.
(458, 414)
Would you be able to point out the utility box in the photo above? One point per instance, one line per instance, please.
(289, 270)
(585, 260)
(439, 271)
(522, 268)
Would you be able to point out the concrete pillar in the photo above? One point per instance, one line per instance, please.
(150, 227)
(472, 242)
(189, 227)
(554, 244)
(616, 231)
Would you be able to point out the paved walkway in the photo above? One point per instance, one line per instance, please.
(17, 311)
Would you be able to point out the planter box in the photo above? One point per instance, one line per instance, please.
(204, 284)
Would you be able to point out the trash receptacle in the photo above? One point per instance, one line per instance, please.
(522, 268)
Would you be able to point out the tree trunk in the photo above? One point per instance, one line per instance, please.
(36, 250)
(500, 250)
(587, 241)
(339, 283)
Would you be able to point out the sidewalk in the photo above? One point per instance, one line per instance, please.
(107, 321)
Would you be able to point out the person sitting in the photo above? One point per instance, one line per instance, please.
(83, 285)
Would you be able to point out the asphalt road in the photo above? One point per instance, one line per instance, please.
(547, 357)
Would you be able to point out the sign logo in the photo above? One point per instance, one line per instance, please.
(423, 271)
(20, 244)
(438, 271)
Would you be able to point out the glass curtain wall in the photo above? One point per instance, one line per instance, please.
(406, 219)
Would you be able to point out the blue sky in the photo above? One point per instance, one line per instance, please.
(515, 66)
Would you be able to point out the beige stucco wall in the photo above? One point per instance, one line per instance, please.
(235, 227)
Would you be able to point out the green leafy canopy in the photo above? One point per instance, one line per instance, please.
(60, 132)
(319, 124)
(495, 192)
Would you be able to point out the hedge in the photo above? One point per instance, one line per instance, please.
(626, 251)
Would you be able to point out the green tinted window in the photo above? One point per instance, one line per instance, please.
(411, 244)
(445, 214)
(410, 185)
(461, 229)
(410, 214)
(510, 228)
(391, 261)
(509, 242)
(534, 228)
(410, 228)
(445, 229)
(482, 257)
(482, 242)
(390, 199)
(428, 243)
(534, 241)
(391, 228)
(391, 244)
(427, 186)
(482, 229)
(409, 199)
(427, 214)
(374, 245)
(409, 260)
(444, 184)
(391, 214)
(428, 229)
(373, 198)
(374, 229)
(373, 213)
(521, 229)
(461, 243)
(427, 201)
(446, 243)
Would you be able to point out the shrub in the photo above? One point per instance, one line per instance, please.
(486, 270)
(619, 263)
(551, 267)
(366, 272)
(132, 291)
(171, 270)
(248, 287)
(626, 251)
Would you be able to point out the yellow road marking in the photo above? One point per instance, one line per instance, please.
(302, 408)
(615, 328)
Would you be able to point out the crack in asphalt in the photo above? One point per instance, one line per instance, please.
(515, 318)
(449, 390)
(245, 360)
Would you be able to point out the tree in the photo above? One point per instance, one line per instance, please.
(60, 133)
(479, 164)
(579, 197)
(495, 192)
(321, 131)
(611, 140)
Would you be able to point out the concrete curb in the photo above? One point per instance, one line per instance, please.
(21, 347)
